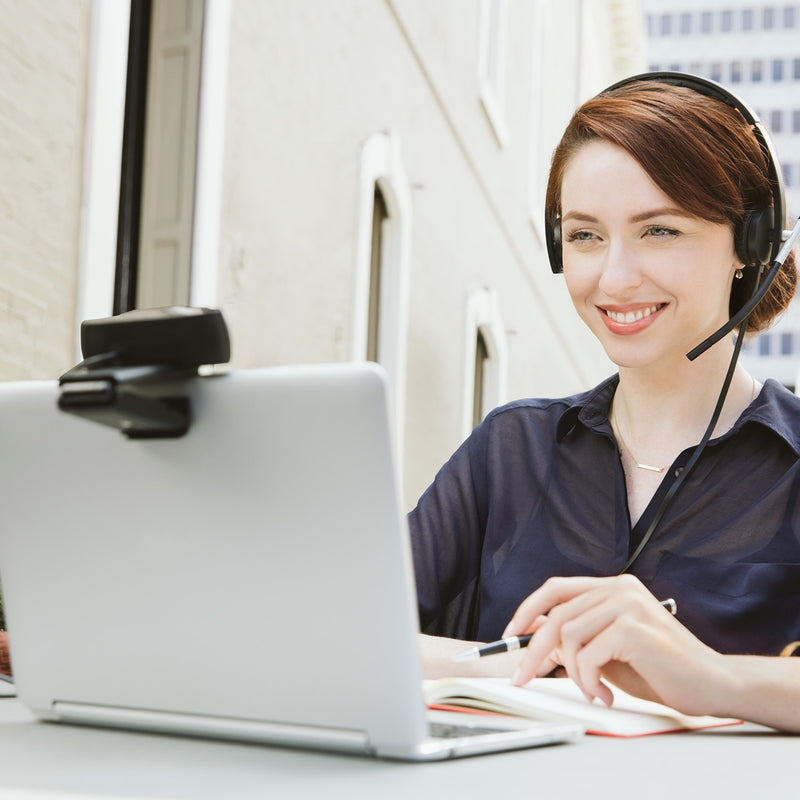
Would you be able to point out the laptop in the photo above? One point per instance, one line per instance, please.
(250, 580)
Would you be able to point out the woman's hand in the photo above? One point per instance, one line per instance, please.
(614, 629)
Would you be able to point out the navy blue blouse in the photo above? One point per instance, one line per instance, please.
(538, 490)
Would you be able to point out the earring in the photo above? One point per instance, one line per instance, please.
(738, 274)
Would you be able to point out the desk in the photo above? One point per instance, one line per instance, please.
(37, 757)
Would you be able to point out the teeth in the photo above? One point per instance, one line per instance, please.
(633, 316)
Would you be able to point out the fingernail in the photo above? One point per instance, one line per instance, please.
(515, 677)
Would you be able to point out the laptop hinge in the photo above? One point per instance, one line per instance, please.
(207, 726)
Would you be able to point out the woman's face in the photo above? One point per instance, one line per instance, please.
(649, 280)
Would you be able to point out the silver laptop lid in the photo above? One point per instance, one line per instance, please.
(256, 568)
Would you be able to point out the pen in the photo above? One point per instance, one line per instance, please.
(518, 642)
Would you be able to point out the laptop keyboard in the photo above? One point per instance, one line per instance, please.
(445, 730)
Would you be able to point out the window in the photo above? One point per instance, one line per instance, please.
(796, 120)
(540, 99)
(796, 69)
(492, 65)
(764, 344)
(665, 28)
(789, 16)
(736, 71)
(777, 69)
(380, 305)
(380, 218)
(768, 18)
(484, 358)
(481, 372)
(788, 174)
(121, 35)
(786, 343)
(776, 121)
(696, 68)
(130, 193)
(169, 164)
(747, 19)
(716, 72)
(756, 70)
(686, 24)
(726, 21)
(706, 22)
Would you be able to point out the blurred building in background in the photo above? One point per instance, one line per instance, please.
(751, 47)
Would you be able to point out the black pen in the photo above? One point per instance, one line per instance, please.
(518, 642)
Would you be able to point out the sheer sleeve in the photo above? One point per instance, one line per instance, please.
(447, 530)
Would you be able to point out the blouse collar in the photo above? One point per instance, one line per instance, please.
(775, 408)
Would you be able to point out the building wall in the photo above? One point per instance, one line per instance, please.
(43, 62)
(291, 176)
(308, 82)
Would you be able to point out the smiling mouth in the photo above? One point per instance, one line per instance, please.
(627, 317)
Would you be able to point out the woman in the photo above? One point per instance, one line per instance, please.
(650, 188)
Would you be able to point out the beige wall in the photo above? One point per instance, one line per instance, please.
(43, 62)
(308, 81)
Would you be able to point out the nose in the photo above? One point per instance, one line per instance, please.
(620, 272)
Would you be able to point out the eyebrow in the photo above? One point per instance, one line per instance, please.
(663, 211)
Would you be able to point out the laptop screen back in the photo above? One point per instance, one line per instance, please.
(256, 568)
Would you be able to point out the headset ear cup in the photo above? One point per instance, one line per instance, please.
(553, 237)
(757, 233)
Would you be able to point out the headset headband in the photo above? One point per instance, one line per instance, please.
(762, 227)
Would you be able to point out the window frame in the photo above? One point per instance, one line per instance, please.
(107, 77)
(381, 165)
(538, 167)
(492, 62)
(482, 317)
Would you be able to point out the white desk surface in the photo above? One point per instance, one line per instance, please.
(47, 761)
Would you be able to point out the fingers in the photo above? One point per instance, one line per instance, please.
(565, 631)
(551, 593)
(580, 611)
(579, 624)
(613, 630)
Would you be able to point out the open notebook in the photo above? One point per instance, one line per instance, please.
(250, 580)
(561, 699)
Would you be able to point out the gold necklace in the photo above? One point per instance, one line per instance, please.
(648, 467)
(651, 467)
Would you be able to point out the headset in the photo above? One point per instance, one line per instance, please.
(762, 242)
(763, 227)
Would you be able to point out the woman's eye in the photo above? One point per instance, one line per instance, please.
(580, 236)
(660, 230)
